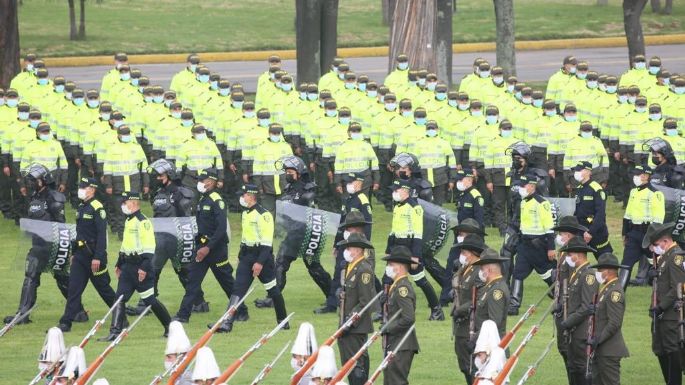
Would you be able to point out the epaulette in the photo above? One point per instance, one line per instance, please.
(215, 196)
(539, 198)
(363, 199)
(96, 204)
(595, 186)
(475, 193)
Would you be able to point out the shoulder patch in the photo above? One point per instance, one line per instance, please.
(221, 204)
(366, 278)
(403, 291)
(603, 195)
(546, 205)
(147, 225)
(418, 209)
(267, 217)
(497, 294)
(678, 259)
(590, 279)
(615, 296)
(480, 200)
(103, 214)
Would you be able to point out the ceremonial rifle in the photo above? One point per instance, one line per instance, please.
(506, 340)
(17, 318)
(389, 357)
(530, 372)
(269, 366)
(589, 350)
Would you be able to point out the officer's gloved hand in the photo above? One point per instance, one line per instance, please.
(383, 298)
(677, 305)
(652, 273)
(591, 309)
(656, 312)
(564, 325)
(592, 342)
(558, 309)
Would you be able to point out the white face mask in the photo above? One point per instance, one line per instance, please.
(578, 176)
(460, 238)
(658, 250)
(125, 210)
(390, 272)
(201, 187)
(294, 363)
(637, 180)
(478, 362)
(347, 254)
(350, 188)
(81, 194)
(460, 186)
(462, 259)
(559, 240)
(482, 276)
(523, 192)
(242, 201)
(569, 261)
(346, 234)
(600, 277)
(168, 365)
(396, 196)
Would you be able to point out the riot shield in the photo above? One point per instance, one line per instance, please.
(52, 238)
(437, 222)
(675, 210)
(304, 231)
(175, 237)
(561, 207)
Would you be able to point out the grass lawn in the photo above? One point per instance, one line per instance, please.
(172, 26)
(141, 356)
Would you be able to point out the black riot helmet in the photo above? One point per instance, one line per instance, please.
(519, 152)
(659, 146)
(405, 160)
(37, 175)
(163, 166)
(292, 162)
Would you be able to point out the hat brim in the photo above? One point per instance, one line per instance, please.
(489, 261)
(353, 224)
(470, 229)
(651, 238)
(363, 245)
(471, 247)
(570, 229)
(398, 259)
(609, 266)
(578, 249)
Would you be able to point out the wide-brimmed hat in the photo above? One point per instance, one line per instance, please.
(488, 257)
(577, 245)
(570, 224)
(354, 218)
(608, 261)
(356, 240)
(399, 254)
(656, 231)
(472, 242)
(470, 225)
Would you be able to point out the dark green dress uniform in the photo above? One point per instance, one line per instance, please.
(610, 348)
(591, 212)
(582, 287)
(401, 297)
(665, 340)
(358, 290)
(492, 304)
(464, 281)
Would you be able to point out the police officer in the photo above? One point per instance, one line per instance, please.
(407, 230)
(591, 208)
(666, 171)
(45, 204)
(211, 244)
(90, 253)
(608, 345)
(460, 231)
(464, 284)
(134, 266)
(646, 205)
(670, 276)
(406, 166)
(582, 286)
(400, 297)
(495, 172)
(536, 248)
(255, 259)
(358, 290)
(493, 297)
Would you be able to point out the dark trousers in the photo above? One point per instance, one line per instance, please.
(6, 194)
(314, 268)
(79, 275)
(633, 251)
(464, 350)
(606, 371)
(217, 261)
(577, 362)
(450, 268)
(336, 284)
(531, 256)
(128, 283)
(397, 372)
(166, 249)
(500, 206)
(349, 345)
(440, 194)
(244, 278)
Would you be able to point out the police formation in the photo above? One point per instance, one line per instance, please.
(530, 164)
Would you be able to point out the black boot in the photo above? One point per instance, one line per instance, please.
(516, 297)
(279, 307)
(162, 314)
(325, 309)
(137, 310)
(227, 325)
(262, 303)
(201, 306)
(26, 301)
(118, 320)
(437, 314)
(242, 315)
(549, 281)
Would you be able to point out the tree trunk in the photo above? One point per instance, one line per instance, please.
(504, 21)
(388, 9)
(444, 40)
(308, 23)
(602, 2)
(9, 41)
(413, 32)
(632, 10)
(82, 21)
(72, 21)
(656, 5)
(329, 34)
(668, 8)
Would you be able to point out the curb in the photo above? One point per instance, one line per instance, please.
(601, 42)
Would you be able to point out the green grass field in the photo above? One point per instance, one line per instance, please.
(171, 26)
(140, 357)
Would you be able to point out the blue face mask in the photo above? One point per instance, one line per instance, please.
(187, 123)
(29, 67)
(125, 76)
(550, 113)
(12, 103)
(134, 82)
(640, 110)
(356, 136)
(287, 87)
(34, 123)
(391, 106)
(679, 90)
(118, 123)
(214, 85)
(491, 119)
(59, 89)
(201, 136)
(403, 66)
(407, 114)
(312, 97)
(431, 133)
(168, 102)
(341, 76)
(104, 116)
(592, 84)
(477, 113)
(506, 133)
(203, 78)
(581, 75)
(640, 65)
(349, 86)
(611, 89)
(623, 99)
(96, 103)
(303, 96)
(275, 138)
(344, 120)
(654, 116)
(78, 101)
(510, 88)
(654, 70)
(176, 114)
(431, 86)
(571, 118)
(193, 67)
(331, 113)
(527, 100)
(586, 134)
(452, 103)
(518, 95)
(224, 91)
(43, 82)
(361, 87)
(422, 81)
(498, 80)
(238, 105)
(249, 114)
(45, 137)
(158, 99)
(441, 96)
(572, 70)
(264, 122)
(420, 121)
(671, 132)
(484, 74)
(537, 103)
(23, 116)
(125, 139)
(372, 94)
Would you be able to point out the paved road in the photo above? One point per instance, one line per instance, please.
(532, 66)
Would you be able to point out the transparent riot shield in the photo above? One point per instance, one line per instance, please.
(304, 231)
(675, 210)
(437, 222)
(52, 238)
(561, 207)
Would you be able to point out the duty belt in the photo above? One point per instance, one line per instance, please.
(255, 244)
(133, 258)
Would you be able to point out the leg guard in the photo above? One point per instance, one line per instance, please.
(319, 275)
(279, 303)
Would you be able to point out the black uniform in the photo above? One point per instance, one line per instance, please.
(91, 244)
(591, 213)
(211, 232)
(401, 297)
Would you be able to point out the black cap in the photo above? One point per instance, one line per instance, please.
(121, 57)
(399, 254)
(43, 126)
(582, 165)
(353, 176)
(465, 172)
(528, 178)
(248, 189)
(23, 107)
(577, 245)
(88, 182)
(400, 183)
(197, 128)
(35, 114)
(11, 92)
(208, 173)
(131, 196)
(641, 169)
(123, 130)
(570, 60)
(193, 59)
(355, 240)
